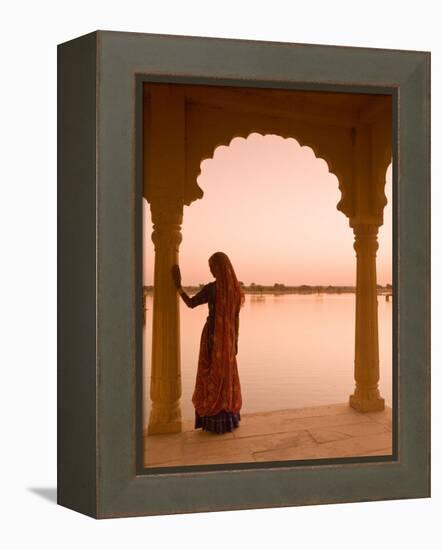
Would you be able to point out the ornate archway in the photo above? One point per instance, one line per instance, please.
(184, 124)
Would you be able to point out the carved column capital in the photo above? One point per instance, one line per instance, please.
(167, 220)
(167, 235)
(166, 210)
(366, 243)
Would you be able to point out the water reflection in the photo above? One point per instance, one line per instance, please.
(294, 350)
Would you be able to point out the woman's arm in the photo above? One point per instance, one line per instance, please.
(200, 298)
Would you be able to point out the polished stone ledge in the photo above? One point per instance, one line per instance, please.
(330, 431)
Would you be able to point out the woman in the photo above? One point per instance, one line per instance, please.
(217, 397)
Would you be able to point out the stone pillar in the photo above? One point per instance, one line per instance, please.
(165, 386)
(366, 396)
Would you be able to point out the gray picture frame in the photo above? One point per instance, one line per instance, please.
(100, 79)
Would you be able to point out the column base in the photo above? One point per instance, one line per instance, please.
(165, 418)
(168, 428)
(364, 405)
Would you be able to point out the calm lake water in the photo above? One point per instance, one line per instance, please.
(294, 350)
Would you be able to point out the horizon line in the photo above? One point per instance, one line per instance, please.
(281, 285)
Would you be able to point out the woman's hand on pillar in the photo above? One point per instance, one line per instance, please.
(176, 275)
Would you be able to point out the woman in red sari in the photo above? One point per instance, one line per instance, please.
(217, 396)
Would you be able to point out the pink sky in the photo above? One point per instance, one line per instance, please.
(270, 204)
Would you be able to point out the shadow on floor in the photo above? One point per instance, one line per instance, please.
(48, 493)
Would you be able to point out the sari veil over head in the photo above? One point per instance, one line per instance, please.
(217, 382)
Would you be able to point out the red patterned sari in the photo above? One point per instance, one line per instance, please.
(217, 395)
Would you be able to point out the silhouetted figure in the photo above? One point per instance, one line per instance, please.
(217, 396)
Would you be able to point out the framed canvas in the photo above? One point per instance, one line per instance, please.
(141, 117)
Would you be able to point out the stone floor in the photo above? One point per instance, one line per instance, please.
(329, 431)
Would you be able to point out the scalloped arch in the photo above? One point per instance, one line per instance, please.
(382, 201)
(316, 148)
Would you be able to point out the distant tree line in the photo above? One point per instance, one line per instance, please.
(280, 288)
